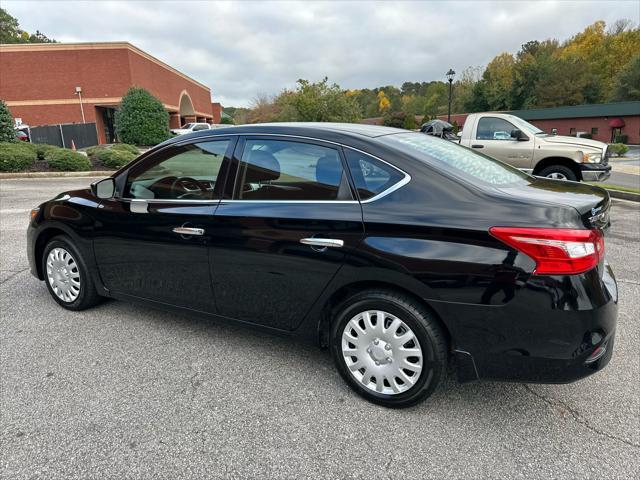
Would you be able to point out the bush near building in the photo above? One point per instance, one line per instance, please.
(65, 160)
(7, 131)
(141, 119)
(619, 148)
(16, 156)
(113, 156)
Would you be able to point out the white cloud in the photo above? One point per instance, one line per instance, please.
(241, 49)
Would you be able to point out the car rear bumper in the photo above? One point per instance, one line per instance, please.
(559, 330)
(595, 173)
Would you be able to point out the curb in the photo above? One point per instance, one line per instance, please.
(96, 173)
(634, 197)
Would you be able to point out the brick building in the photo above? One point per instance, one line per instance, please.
(39, 83)
(602, 121)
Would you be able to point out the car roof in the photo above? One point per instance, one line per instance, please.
(318, 130)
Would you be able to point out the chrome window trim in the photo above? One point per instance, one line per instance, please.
(384, 193)
(169, 200)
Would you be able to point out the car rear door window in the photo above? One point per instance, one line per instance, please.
(370, 175)
(182, 173)
(284, 170)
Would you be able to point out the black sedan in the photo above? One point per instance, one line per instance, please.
(400, 252)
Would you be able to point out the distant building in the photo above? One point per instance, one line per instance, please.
(602, 121)
(39, 82)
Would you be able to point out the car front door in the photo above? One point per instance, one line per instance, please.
(152, 240)
(493, 138)
(285, 233)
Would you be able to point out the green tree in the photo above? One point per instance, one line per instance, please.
(627, 85)
(10, 31)
(7, 131)
(141, 118)
(317, 102)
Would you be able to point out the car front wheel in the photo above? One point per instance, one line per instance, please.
(389, 348)
(66, 275)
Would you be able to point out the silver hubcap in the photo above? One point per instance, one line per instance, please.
(382, 352)
(63, 275)
(557, 176)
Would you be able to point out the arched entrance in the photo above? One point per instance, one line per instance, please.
(185, 108)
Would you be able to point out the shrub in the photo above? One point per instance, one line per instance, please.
(619, 148)
(141, 119)
(7, 132)
(41, 149)
(409, 122)
(114, 158)
(16, 156)
(126, 147)
(66, 160)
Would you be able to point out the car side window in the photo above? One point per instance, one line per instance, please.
(491, 128)
(185, 172)
(370, 175)
(289, 170)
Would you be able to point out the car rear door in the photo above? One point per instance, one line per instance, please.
(152, 241)
(284, 233)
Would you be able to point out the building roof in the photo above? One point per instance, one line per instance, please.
(618, 109)
(36, 47)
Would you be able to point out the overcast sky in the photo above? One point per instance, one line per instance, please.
(242, 49)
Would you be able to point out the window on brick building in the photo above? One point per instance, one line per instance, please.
(594, 131)
(572, 131)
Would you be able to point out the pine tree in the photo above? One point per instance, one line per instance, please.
(7, 131)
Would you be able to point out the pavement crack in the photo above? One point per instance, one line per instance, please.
(633, 282)
(554, 402)
(13, 275)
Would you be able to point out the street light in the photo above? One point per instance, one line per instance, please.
(450, 75)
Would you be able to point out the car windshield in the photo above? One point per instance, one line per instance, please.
(524, 125)
(456, 159)
(187, 125)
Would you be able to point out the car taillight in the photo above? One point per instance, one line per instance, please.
(556, 251)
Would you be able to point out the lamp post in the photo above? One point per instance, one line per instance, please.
(450, 74)
(79, 93)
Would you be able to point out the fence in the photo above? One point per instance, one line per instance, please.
(64, 135)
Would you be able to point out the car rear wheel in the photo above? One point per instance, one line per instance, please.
(66, 275)
(389, 348)
(558, 172)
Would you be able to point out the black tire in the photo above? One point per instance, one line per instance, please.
(559, 169)
(426, 329)
(88, 296)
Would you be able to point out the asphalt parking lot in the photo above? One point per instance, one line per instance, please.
(122, 391)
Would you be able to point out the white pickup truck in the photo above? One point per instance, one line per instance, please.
(516, 142)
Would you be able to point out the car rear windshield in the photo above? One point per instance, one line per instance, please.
(456, 159)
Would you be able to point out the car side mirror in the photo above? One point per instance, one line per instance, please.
(104, 188)
(519, 135)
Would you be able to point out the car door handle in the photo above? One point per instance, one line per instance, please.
(188, 231)
(477, 146)
(322, 242)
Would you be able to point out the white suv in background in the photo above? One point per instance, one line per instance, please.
(191, 127)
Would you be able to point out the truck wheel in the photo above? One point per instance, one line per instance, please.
(558, 172)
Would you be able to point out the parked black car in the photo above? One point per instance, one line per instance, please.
(398, 251)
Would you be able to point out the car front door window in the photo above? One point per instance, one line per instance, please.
(185, 173)
(490, 128)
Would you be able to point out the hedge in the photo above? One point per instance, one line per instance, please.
(65, 160)
(16, 156)
(114, 157)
